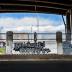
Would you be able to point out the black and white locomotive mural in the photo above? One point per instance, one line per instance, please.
(33, 48)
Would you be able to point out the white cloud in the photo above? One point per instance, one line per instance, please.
(19, 28)
(54, 29)
(7, 21)
(26, 23)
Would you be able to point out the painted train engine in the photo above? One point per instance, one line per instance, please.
(34, 48)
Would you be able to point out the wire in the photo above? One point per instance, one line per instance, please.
(64, 23)
(37, 22)
(37, 18)
(63, 20)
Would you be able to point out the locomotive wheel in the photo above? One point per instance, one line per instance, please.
(34, 51)
(38, 52)
(22, 50)
(47, 51)
(28, 50)
(43, 51)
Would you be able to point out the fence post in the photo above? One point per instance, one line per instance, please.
(9, 42)
(59, 42)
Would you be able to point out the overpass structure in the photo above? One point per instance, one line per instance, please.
(45, 6)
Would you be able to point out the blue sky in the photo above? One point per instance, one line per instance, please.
(20, 15)
(19, 21)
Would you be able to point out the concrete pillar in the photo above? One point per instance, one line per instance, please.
(68, 27)
(9, 42)
(59, 42)
(71, 21)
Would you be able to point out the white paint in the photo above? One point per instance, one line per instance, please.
(67, 48)
(9, 47)
(59, 48)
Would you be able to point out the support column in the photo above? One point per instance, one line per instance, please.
(71, 22)
(59, 42)
(9, 42)
(68, 27)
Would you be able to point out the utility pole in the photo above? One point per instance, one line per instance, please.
(31, 32)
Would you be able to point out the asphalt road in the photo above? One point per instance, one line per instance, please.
(36, 66)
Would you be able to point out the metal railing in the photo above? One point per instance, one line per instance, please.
(30, 36)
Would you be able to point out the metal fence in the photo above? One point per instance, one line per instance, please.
(30, 36)
(49, 38)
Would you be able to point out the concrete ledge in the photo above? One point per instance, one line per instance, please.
(50, 57)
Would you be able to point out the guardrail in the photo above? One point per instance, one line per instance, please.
(30, 36)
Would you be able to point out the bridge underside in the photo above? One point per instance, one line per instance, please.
(41, 6)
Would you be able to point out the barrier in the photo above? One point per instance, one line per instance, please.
(59, 42)
(9, 42)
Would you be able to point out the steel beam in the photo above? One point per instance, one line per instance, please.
(71, 21)
(43, 6)
(68, 27)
